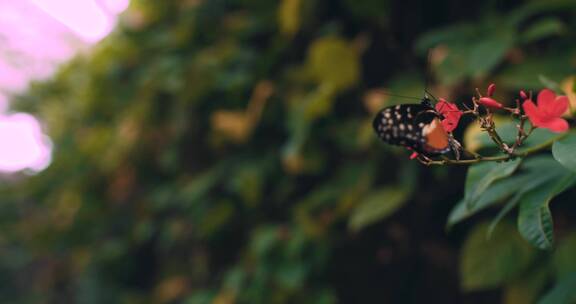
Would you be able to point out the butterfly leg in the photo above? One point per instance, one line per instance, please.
(455, 146)
(424, 159)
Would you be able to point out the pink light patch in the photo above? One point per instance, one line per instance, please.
(36, 36)
(3, 104)
(24, 146)
(115, 6)
(84, 17)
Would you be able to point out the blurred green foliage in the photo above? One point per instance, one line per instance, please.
(221, 151)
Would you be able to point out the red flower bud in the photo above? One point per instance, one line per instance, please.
(490, 103)
(414, 155)
(523, 95)
(490, 90)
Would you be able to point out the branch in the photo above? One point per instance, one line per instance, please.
(543, 146)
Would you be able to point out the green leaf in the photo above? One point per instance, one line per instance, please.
(538, 171)
(201, 184)
(324, 296)
(455, 67)
(472, 49)
(525, 75)
(444, 35)
(234, 278)
(563, 258)
(377, 206)
(489, 263)
(535, 222)
(377, 11)
(528, 287)
(495, 193)
(532, 173)
(538, 7)
(563, 293)
(291, 275)
(332, 61)
(549, 83)
(319, 102)
(201, 297)
(289, 13)
(215, 218)
(487, 53)
(512, 202)
(563, 151)
(482, 175)
(542, 29)
(534, 218)
(263, 240)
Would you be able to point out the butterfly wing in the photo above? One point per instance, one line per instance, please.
(416, 126)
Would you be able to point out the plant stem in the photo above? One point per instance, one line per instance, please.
(478, 158)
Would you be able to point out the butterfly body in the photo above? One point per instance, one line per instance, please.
(415, 126)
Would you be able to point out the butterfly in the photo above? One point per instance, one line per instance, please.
(417, 127)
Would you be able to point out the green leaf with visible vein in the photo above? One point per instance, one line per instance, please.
(494, 194)
(481, 176)
(532, 173)
(563, 151)
(534, 218)
(540, 170)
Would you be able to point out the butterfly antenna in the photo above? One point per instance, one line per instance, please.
(427, 76)
(426, 93)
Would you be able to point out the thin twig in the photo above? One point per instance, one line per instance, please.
(545, 145)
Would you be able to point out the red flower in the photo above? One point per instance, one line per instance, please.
(489, 102)
(547, 114)
(451, 114)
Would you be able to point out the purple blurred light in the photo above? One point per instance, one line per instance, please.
(84, 17)
(25, 146)
(33, 44)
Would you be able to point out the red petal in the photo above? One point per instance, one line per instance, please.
(440, 105)
(533, 113)
(444, 107)
(449, 125)
(454, 119)
(450, 121)
(560, 106)
(546, 100)
(451, 114)
(556, 125)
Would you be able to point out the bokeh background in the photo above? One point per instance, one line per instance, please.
(221, 151)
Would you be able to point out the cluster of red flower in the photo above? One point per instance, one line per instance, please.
(545, 113)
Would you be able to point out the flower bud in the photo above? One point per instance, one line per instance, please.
(489, 102)
(490, 90)
(523, 95)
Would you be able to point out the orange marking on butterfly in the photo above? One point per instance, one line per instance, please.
(436, 136)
